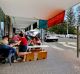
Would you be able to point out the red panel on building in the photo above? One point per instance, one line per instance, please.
(57, 19)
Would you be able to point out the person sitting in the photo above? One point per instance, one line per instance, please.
(38, 41)
(22, 46)
(23, 43)
(15, 38)
(32, 41)
(5, 46)
(35, 41)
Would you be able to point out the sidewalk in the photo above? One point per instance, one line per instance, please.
(57, 62)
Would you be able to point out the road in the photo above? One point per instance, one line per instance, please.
(63, 44)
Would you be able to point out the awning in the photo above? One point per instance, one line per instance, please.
(56, 19)
(40, 9)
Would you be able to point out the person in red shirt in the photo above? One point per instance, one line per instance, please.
(23, 43)
(15, 38)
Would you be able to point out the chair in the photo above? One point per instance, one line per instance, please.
(4, 53)
(10, 56)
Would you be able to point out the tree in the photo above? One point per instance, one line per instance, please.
(70, 17)
(66, 24)
(61, 28)
(2, 15)
(78, 15)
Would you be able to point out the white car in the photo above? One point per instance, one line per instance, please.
(33, 32)
(50, 38)
(71, 36)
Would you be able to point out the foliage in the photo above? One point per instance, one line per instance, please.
(70, 17)
(62, 28)
(67, 23)
(7, 20)
(59, 29)
(78, 16)
(2, 15)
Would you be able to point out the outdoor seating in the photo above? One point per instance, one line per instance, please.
(41, 55)
(30, 56)
(22, 54)
(39, 52)
(36, 48)
(35, 53)
(4, 55)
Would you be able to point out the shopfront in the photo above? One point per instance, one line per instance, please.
(2, 15)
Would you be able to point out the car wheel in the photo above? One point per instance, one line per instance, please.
(56, 40)
(45, 40)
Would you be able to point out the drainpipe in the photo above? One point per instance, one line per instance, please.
(78, 42)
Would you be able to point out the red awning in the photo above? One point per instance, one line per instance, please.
(57, 19)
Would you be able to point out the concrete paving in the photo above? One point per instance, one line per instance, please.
(57, 62)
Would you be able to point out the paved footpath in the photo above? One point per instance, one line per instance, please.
(57, 62)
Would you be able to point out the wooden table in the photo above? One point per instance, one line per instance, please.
(37, 48)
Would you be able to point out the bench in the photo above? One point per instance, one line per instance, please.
(22, 54)
(42, 55)
(27, 56)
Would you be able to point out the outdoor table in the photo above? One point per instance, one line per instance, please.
(37, 47)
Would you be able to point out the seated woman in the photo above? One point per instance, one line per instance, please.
(15, 38)
(35, 41)
(38, 41)
(32, 41)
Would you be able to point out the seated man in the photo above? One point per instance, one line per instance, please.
(22, 46)
(23, 43)
(4, 45)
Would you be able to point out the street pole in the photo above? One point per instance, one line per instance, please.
(77, 41)
(67, 29)
(41, 35)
